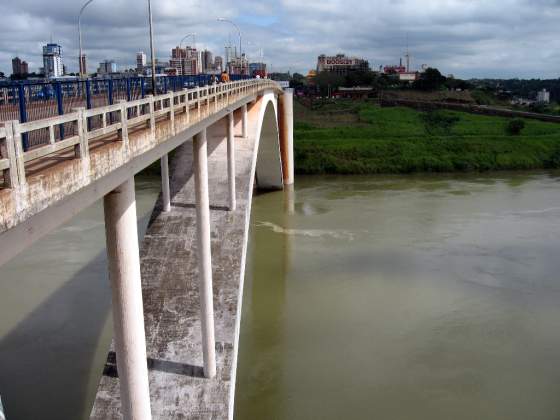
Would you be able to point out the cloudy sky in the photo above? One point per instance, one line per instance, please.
(467, 38)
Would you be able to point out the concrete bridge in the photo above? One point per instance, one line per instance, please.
(177, 300)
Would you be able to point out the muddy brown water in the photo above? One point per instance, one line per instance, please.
(390, 297)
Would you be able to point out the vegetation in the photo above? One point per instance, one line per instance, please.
(346, 137)
(430, 80)
(514, 126)
(439, 122)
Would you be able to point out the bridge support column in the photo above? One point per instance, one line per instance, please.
(286, 128)
(128, 317)
(200, 156)
(165, 191)
(231, 162)
(244, 121)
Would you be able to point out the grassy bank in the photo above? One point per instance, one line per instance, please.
(362, 138)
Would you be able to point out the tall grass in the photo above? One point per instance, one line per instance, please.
(395, 140)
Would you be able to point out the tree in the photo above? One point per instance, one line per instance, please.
(430, 80)
(326, 80)
(515, 126)
(298, 80)
(458, 84)
(358, 78)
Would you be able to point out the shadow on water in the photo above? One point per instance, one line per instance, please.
(57, 326)
(33, 358)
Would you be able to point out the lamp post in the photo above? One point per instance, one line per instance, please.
(193, 34)
(154, 90)
(236, 27)
(81, 56)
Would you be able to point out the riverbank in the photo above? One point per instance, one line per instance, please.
(349, 137)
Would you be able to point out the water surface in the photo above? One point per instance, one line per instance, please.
(395, 297)
(55, 317)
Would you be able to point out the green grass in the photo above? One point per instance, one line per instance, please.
(394, 140)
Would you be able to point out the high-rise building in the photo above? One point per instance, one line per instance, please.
(543, 96)
(19, 67)
(52, 60)
(179, 53)
(340, 64)
(218, 64)
(107, 67)
(231, 53)
(207, 60)
(185, 61)
(239, 65)
(140, 61)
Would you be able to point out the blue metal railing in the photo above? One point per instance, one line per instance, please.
(31, 100)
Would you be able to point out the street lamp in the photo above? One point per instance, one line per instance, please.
(236, 27)
(152, 47)
(82, 64)
(193, 34)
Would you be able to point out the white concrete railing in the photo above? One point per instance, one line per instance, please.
(130, 114)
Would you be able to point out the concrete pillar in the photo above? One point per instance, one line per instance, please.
(286, 126)
(165, 191)
(172, 112)
(8, 150)
(231, 162)
(124, 125)
(198, 102)
(81, 150)
(200, 158)
(18, 148)
(244, 121)
(128, 317)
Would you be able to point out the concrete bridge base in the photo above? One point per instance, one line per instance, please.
(170, 283)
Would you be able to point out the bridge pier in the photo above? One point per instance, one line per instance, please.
(200, 161)
(286, 131)
(231, 162)
(244, 122)
(128, 317)
(165, 191)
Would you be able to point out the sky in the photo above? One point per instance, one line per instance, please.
(466, 38)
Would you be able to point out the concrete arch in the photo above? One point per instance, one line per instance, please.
(269, 161)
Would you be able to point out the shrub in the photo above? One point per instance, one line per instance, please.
(515, 126)
(439, 122)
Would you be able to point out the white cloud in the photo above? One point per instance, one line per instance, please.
(506, 38)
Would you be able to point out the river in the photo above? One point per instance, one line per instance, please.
(391, 297)
(403, 297)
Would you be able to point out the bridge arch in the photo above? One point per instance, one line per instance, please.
(268, 160)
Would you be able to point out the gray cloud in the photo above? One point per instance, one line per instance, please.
(470, 38)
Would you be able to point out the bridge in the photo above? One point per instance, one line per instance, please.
(176, 299)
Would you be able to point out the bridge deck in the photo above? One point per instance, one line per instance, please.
(170, 290)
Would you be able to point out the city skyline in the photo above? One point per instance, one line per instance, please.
(467, 39)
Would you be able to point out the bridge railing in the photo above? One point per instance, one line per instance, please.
(81, 126)
(8, 158)
(31, 101)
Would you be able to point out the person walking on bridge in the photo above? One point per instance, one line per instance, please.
(225, 77)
